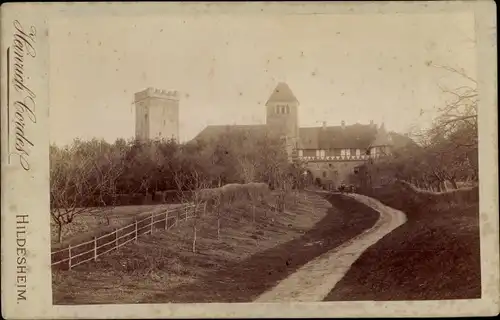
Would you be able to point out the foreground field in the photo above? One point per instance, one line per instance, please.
(164, 260)
(434, 255)
(89, 222)
(248, 259)
(244, 281)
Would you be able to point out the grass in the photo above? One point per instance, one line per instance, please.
(435, 255)
(245, 280)
(164, 260)
(84, 226)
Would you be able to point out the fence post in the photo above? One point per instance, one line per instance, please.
(166, 220)
(95, 249)
(135, 230)
(177, 213)
(152, 215)
(69, 256)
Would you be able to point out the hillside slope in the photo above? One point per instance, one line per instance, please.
(434, 255)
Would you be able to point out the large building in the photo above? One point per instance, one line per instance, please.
(329, 153)
(156, 114)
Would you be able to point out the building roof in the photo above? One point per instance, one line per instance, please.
(281, 93)
(401, 141)
(214, 132)
(355, 136)
(382, 138)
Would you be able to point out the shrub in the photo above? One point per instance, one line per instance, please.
(401, 194)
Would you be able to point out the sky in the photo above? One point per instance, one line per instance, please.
(352, 68)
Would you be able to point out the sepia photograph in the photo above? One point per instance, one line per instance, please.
(270, 160)
(233, 156)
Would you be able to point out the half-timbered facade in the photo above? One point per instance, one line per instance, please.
(329, 153)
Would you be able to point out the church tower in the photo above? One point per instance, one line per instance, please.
(156, 114)
(282, 115)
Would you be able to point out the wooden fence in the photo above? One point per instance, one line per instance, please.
(75, 255)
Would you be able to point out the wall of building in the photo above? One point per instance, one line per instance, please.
(336, 172)
(283, 122)
(163, 119)
(141, 121)
(157, 114)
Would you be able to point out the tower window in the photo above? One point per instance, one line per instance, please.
(277, 109)
(287, 109)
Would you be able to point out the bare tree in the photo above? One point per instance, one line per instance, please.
(193, 181)
(81, 177)
(217, 207)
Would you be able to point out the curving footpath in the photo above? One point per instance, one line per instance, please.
(316, 279)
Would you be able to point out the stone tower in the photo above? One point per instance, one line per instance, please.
(156, 114)
(282, 115)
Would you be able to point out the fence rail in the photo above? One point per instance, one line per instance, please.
(98, 246)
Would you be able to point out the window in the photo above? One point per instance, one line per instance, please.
(330, 165)
(164, 122)
(343, 152)
(358, 152)
(282, 109)
(301, 153)
(287, 109)
(277, 109)
(324, 174)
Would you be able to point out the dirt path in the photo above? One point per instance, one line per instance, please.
(245, 280)
(315, 280)
(435, 255)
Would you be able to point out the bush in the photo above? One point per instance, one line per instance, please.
(232, 193)
(401, 194)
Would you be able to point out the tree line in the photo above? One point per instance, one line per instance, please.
(445, 154)
(89, 174)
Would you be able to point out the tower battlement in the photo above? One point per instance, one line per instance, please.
(157, 93)
(157, 114)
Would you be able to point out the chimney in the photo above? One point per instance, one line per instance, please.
(343, 124)
(324, 125)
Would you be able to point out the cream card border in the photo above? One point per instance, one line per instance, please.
(26, 191)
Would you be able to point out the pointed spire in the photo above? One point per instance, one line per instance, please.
(282, 93)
